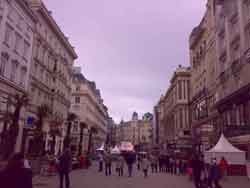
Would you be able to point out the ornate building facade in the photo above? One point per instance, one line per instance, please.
(87, 104)
(233, 84)
(50, 75)
(203, 60)
(137, 131)
(17, 25)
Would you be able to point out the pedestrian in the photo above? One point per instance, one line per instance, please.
(15, 175)
(223, 167)
(100, 158)
(161, 163)
(26, 162)
(138, 162)
(177, 164)
(171, 165)
(155, 164)
(120, 165)
(64, 167)
(215, 174)
(197, 167)
(152, 163)
(145, 166)
(108, 164)
(130, 159)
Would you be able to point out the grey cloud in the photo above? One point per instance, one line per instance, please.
(130, 48)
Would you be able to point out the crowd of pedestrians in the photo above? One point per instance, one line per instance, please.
(204, 175)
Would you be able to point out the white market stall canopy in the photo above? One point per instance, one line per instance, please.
(115, 150)
(126, 146)
(225, 149)
(101, 148)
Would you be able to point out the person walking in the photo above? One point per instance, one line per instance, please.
(64, 167)
(15, 175)
(130, 159)
(145, 166)
(108, 164)
(215, 174)
(223, 167)
(197, 167)
(100, 157)
(177, 166)
(120, 165)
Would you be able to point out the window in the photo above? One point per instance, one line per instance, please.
(77, 88)
(41, 74)
(20, 22)
(179, 90)
(77, 100)
(8, 34)
(18, 43)
(4, 60)
(26, 50)
(14, 65)
(23, 75)
(37, 49)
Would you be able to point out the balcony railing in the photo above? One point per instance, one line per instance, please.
(236, 130)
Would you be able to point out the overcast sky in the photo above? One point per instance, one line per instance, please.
(130, 48)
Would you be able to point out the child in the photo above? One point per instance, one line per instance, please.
(145, 165)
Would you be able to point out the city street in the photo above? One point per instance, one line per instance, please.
(92, 179)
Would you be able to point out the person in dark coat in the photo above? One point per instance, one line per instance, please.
(130, 159)
(215, 174)
(15, 175)
(64, 168)
(197, 166)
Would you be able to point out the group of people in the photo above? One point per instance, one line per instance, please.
(208, 175)
(17, 173)
(106, 159)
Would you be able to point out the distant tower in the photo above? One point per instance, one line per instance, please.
(135, 116)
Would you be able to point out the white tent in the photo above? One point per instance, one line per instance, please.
(225, 149)
(101, 148)
(115, 150)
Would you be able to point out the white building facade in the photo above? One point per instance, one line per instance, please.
(87, 104)
(50, 75)
(17, 23)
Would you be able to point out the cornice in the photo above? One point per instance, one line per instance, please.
(40, 7)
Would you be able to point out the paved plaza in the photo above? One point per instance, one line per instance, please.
(92, 179)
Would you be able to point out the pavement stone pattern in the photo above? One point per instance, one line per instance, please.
(93, 179)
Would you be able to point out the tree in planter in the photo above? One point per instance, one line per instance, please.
(66, 142)
(18, 101)
(42, 112)
(82, 127)
(53, 133)
(92, 131)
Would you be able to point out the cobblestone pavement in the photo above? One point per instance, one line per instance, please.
(92, 179)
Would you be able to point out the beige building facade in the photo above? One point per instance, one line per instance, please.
(17, 25)
(203, 60)
(50, 75)
(87, 104)
(233, 37)
(138, 132)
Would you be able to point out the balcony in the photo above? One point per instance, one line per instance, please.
(236, 67)
(236, 130)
